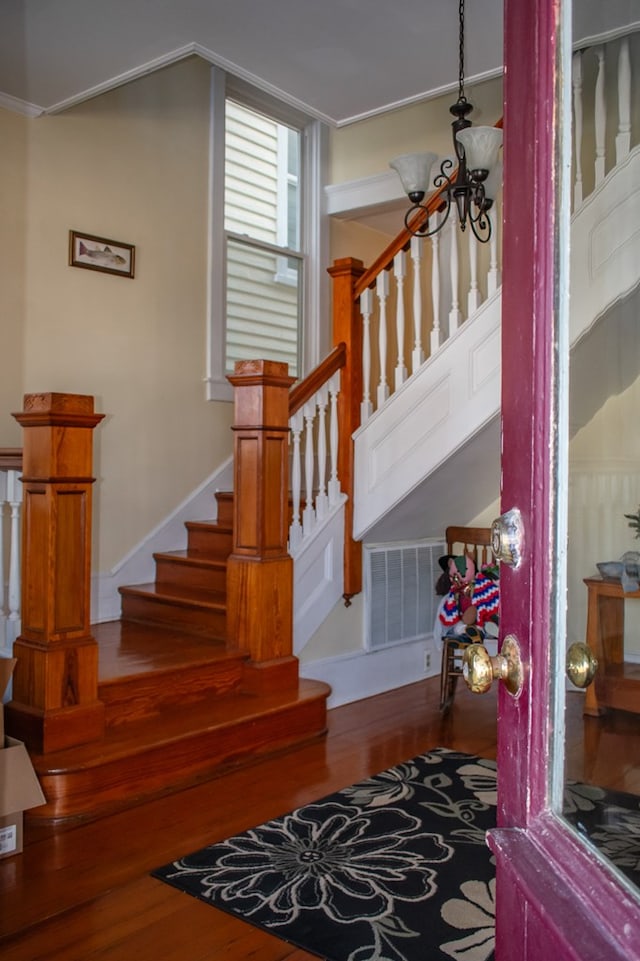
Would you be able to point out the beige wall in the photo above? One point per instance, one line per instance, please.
(130, 165)
(13, 234)
(365, 148)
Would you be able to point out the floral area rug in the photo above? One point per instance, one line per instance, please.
(394, 868)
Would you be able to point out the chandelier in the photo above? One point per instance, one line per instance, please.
(474, 183)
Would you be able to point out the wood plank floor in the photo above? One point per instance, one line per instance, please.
(83, 892)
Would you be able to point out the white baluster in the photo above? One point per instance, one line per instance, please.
(623, 137)
(334, 483)
(600, 117)
(295, 530)
(417, 354)
(322, 501)
(576, 80)
(366, 309)
(473, 297)
(455, 315)
(308, 514)
(436, 331)
(382, 290)
(494, 277)
(14, 496)
(399, 270)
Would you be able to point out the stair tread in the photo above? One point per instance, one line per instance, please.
(226, 528)
(127, 649)
(197, 560)
(175, 724)
(181, 596)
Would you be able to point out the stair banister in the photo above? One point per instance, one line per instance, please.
(259, 568)
(55, 684)
(346, 274)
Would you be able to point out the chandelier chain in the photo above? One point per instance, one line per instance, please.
(461, 95)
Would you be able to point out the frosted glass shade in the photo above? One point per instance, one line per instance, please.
(414, 170)
(481, 146)
(493, 183)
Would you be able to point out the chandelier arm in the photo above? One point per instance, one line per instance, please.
(420, 232)
(481, 227)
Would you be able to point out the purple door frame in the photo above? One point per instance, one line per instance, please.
(555, 899)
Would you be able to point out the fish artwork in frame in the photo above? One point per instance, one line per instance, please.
(98, 253)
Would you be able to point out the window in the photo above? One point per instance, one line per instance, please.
(266, 280)
(261, 219)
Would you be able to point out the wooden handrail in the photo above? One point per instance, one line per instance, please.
(303, 391)
(402, 241)
(10, 458)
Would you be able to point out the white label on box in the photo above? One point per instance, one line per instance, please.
(8, 839)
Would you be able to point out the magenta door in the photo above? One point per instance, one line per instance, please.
(555, 899)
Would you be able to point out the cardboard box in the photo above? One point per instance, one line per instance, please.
(19, 786)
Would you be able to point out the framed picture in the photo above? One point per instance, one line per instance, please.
(98, 253)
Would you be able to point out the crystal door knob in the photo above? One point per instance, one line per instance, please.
(507, 538)
(480, 669)
(581, 664)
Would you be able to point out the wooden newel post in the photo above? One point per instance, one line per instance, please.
(347, 328)
(259, 569)
(55, 687)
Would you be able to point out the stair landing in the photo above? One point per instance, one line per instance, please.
(178, 710)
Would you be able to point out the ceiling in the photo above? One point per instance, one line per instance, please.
(338, 60)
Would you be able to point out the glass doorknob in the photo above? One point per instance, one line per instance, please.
(581, 664)
(480, 669)
(507, 538)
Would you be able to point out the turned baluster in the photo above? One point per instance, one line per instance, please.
(382, 290)
(600, 116)
(399, 270)
(455, 314)
(623, 137)
(473, 297)
(295, 530)
(366, 309)
(334, 483)
(417, 354)
(576, 81)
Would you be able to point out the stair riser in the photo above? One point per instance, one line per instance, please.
(142, 696)
(224, 501)
(210, 542)
(90, 791)
(180, 573)
(190, 620)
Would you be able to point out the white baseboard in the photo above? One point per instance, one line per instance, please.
(355, 676)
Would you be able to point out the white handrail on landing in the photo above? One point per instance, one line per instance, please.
(10, 511)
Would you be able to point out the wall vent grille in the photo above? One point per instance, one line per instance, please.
(400, 598)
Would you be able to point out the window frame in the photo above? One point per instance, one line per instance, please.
(314, 239)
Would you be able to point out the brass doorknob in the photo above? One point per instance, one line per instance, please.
(480, 669)
(581, 664)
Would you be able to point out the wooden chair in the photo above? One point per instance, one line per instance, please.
(475, 541)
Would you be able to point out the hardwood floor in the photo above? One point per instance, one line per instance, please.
(83, 892)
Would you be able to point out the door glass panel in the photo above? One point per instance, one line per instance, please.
(602, 724)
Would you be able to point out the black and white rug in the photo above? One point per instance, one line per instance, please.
(393, 868)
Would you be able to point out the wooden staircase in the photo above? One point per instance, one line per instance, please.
(198, 674)
(180, 706)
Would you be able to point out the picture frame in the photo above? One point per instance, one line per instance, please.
(100, 253)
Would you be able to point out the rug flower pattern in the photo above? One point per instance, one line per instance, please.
(394, 868)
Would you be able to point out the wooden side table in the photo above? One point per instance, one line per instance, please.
(617, 683)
